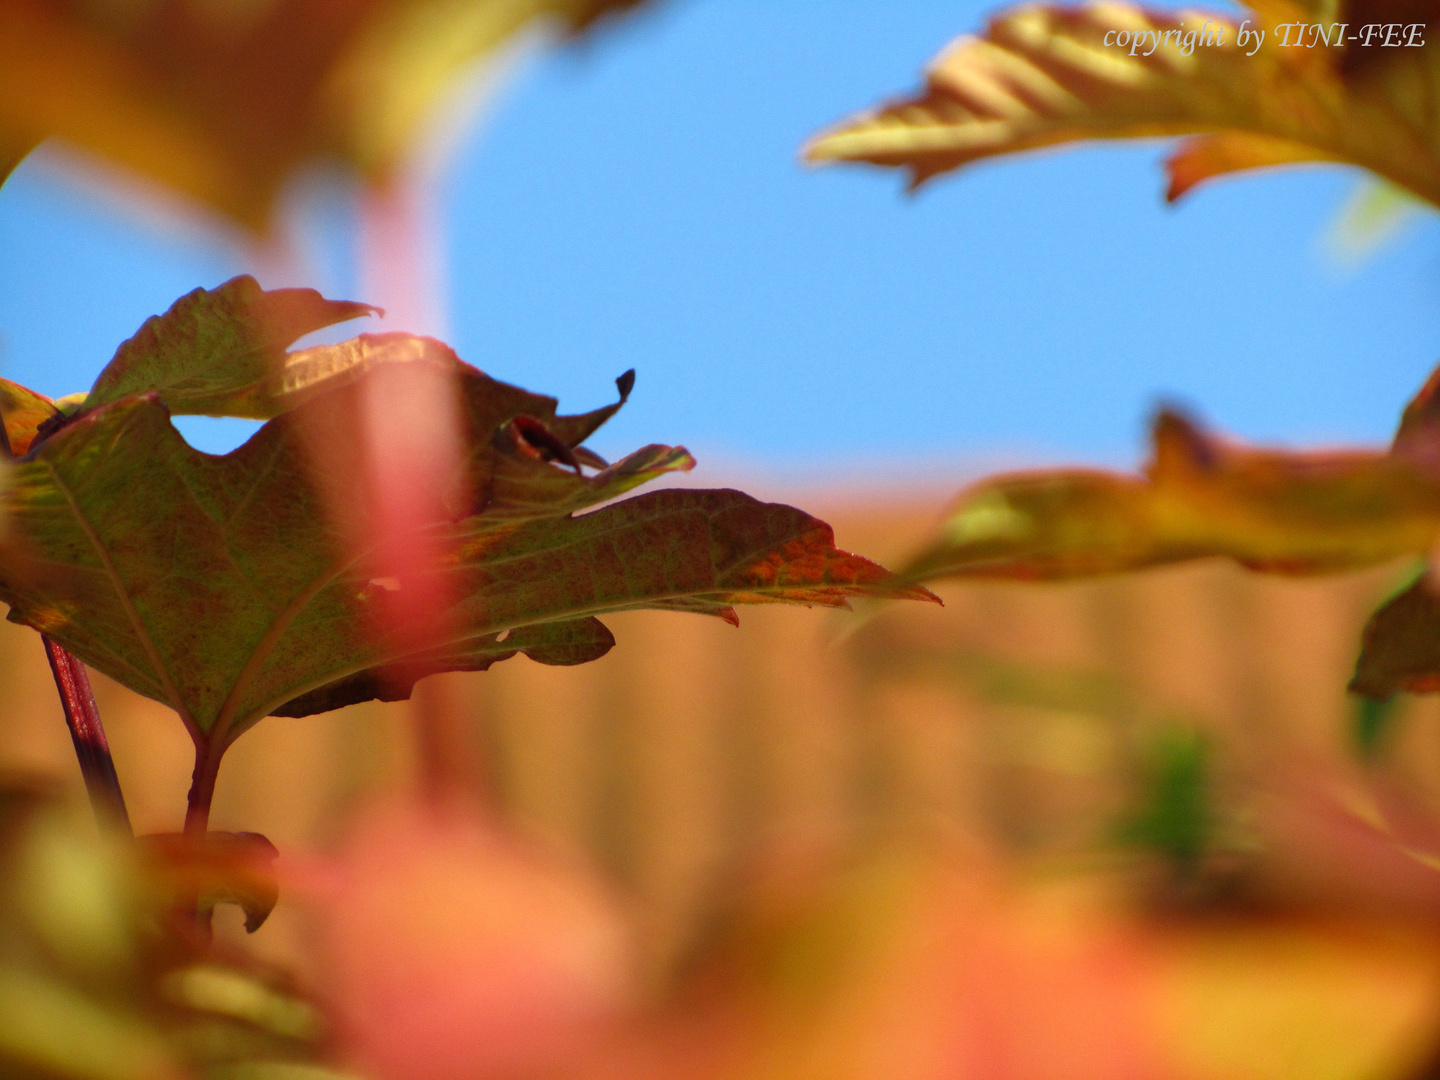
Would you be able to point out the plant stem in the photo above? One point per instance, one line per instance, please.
(447, 759)
(202, 788)
(88, 734)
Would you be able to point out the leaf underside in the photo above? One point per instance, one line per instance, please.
(1202, 497)
(1042, 76)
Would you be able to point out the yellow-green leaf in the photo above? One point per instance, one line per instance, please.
(1200, 497)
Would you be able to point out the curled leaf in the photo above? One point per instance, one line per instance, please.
(1401, 649)
(216, 868)
(222, 351)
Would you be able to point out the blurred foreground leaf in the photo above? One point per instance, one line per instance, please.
(941, 965)
(1200, 497)
(1043, 75)
(454, 950)
(224, 102)
(218, 868)
(1376, 213)
(92, 988)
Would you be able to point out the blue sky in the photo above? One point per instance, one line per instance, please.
(639, 203)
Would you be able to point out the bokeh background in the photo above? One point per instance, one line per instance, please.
(1115, 829)
(637, 201)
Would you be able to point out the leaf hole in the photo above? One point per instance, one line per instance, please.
(389, 584)
(501, 636)
(215, 434)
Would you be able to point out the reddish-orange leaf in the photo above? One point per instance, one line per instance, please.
(1204, 157)
(24, 411)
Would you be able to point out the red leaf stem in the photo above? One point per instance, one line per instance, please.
(91, 748)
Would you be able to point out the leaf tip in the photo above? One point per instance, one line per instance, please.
(625, 383)
(1180, 182)
(819, 148)
(919, 592)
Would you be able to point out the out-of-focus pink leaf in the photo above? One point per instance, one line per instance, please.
(454, 952)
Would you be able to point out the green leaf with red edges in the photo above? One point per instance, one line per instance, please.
(221, 586)
(1201, 497)
(1044, 75)
(220, 352)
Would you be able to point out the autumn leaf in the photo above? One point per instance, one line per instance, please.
(1204, 157)
(1274, 511)
(1041, 76)
(228, 588)
(223, 103)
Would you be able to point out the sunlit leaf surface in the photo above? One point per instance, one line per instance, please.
(1042, 75)
(220, 352)
(24, 411)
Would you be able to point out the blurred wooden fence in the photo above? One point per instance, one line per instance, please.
(1009, 717)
